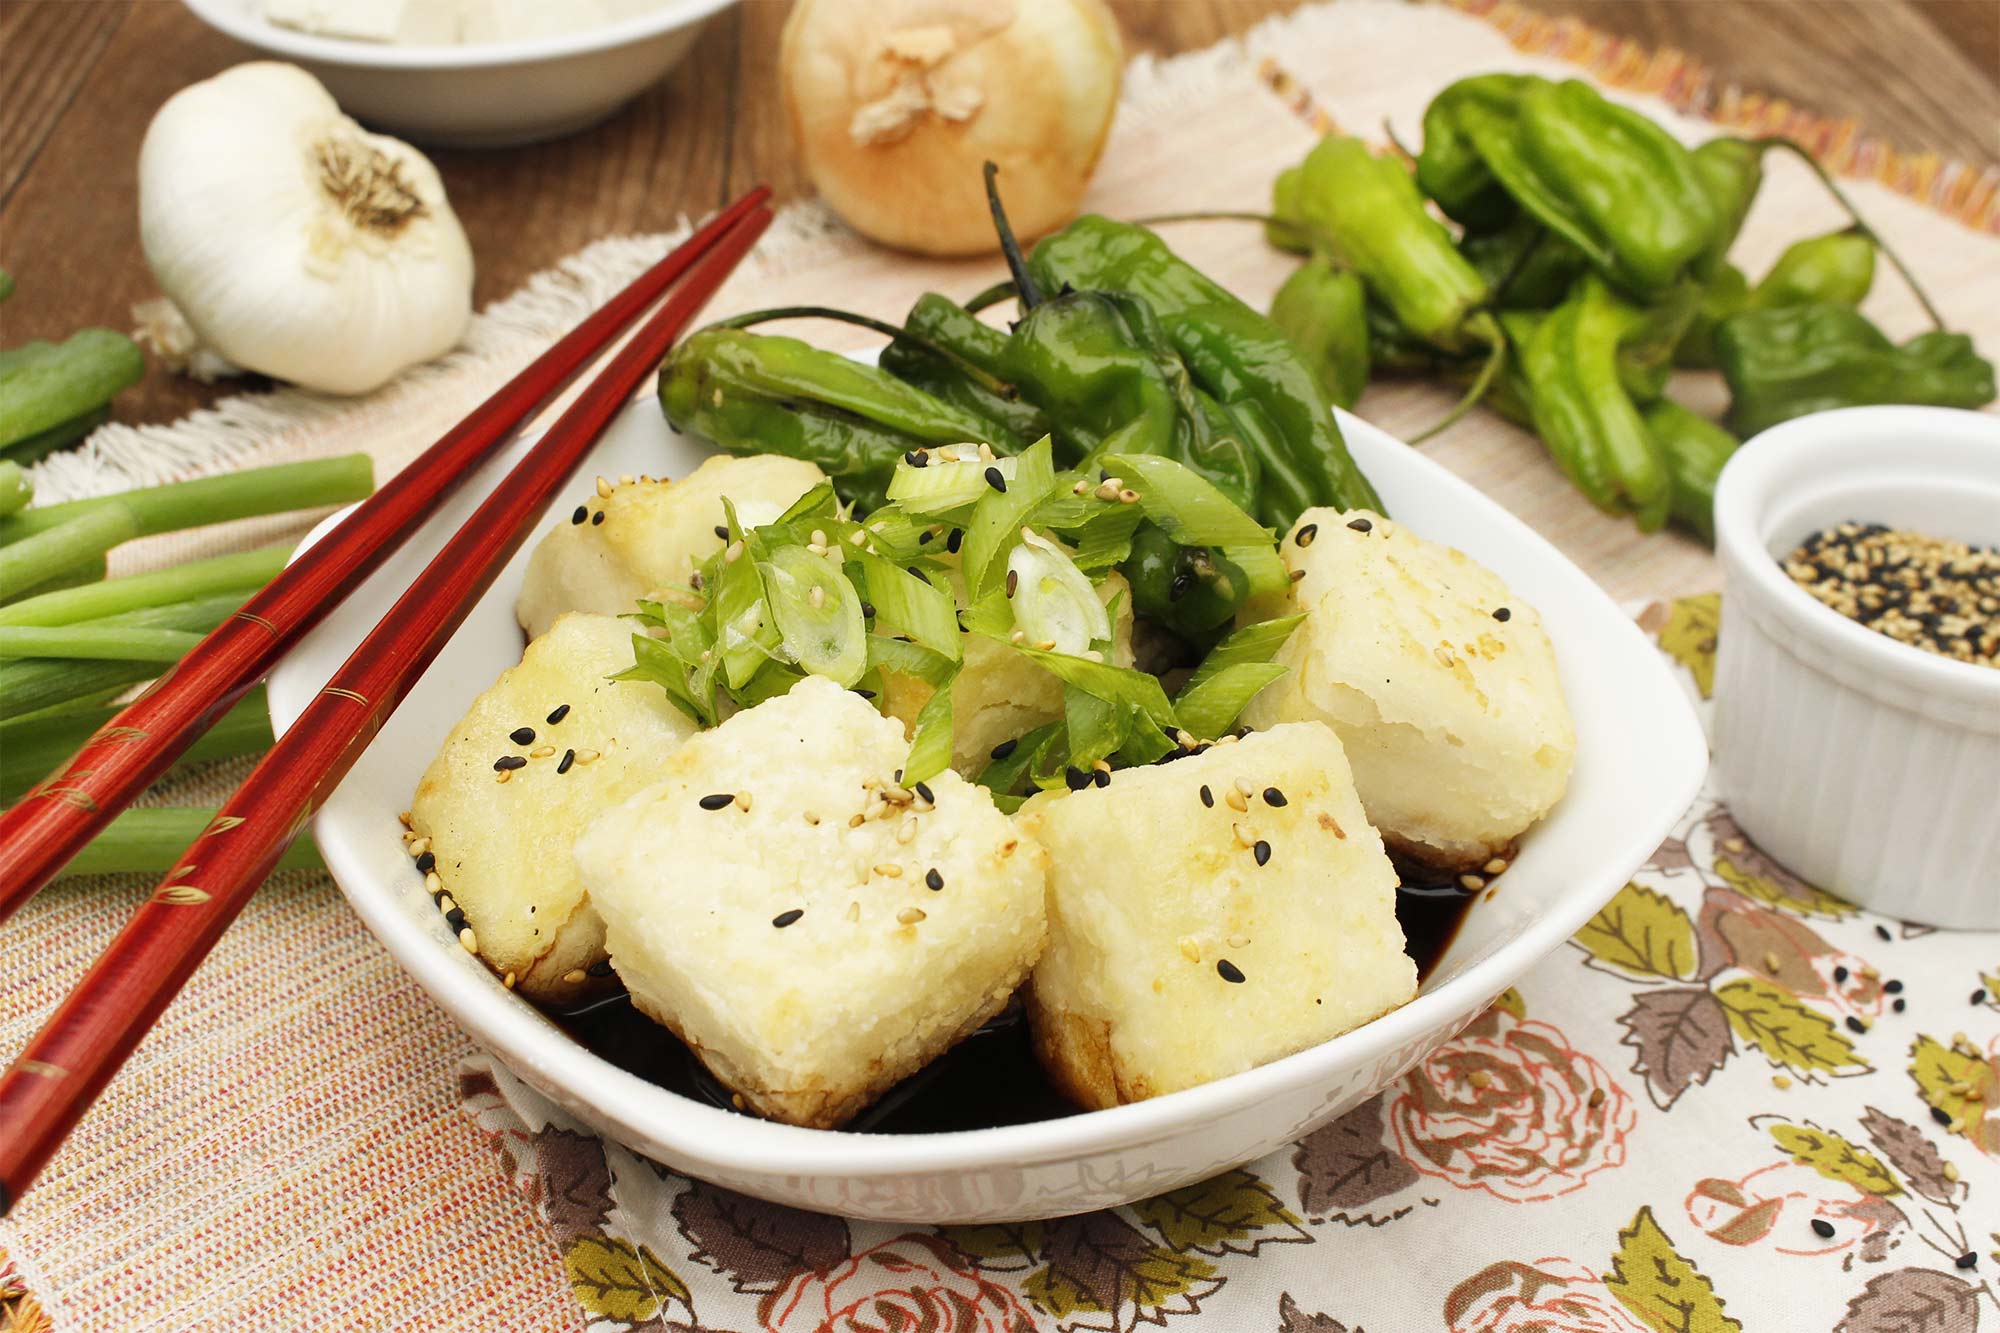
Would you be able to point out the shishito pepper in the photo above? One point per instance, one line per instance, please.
(1694, 450)
(939, 322)
(755, 393)
(1792, 360)
(1569, 371)
(1603, 177)
(1731, 171)
(1235, 355)
(1527, 266)
(1323, 309)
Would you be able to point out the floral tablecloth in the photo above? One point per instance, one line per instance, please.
(1733, 1102)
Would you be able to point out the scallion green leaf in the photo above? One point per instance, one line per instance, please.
(818, 614)
(930, 742)
(1210, 708)
(996, 519)
(1186, 505)
(906, 604)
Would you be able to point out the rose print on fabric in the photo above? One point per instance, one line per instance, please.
(912, 1282)
(1510, 1107)
(1546, 1296)
(1775, 1208)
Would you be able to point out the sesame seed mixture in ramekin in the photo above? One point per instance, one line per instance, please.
(1928, 592)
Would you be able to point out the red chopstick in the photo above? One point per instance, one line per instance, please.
(52, 822)
(84, 1042)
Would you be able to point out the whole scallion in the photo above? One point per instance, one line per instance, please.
(152, 841)
(31, 748)
(50, 552)
(231, 495)
(242, 572)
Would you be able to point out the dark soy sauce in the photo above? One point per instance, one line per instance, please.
(989, 1079)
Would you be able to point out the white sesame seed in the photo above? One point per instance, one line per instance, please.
(1472, 883)
(743, 801)
(1245, 786)
(1239, 941)
(908, 831)
(1497, 866)
(419, 846)
(909, 916)
(603, 487)
(1243, 836)
(405, 818)
(433, 882)
(858, 820)
(588, 756)
(503, 775)
(1237, 802)
(854, 911)
(812, 819)
(1190, 949)
(888, 871)
(574, 976)
(819, 536)
(508, 981)
(1128, 497)
(469, 940)
(541, 752)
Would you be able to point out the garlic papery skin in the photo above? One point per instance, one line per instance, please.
(895, 104)
(294, 242)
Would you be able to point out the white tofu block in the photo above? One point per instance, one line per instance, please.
(810, 960)
(1174, 956)
(503, 848)
(652, 536)
(1452, 717)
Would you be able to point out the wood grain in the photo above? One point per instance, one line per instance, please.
(81, 78)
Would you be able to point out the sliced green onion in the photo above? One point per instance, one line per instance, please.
(818, 614)
(996, 519)
(1186, 505)
(1097, 726)
(992, 615)
(1054, 602)
(1106, 540)
(930, 742)
(1125, 685)
(744, 639)
(906, 604)
(1005, 774)
(909, 659)
(1210, 708)
(951, 477)
(654, 661)
(1263, 568)
(819, 502)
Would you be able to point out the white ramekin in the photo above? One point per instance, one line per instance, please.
(1868, 767)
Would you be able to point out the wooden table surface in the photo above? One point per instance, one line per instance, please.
(80, 79)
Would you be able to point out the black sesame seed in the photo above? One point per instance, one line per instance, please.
(1840, 976)
(1272, 796)
(866, 694)
(597, 518)
(1305, 535)
(995, 480)
(1822, 1228)
(1228, 971)
(506, 763)
(917, 458)
(1942, 1116)
(934, 881)
(868, 610)
(522, 735)
(569, 757)
(582, 512)
(1900, 1005)
(1004, 748)
(1076, 778)
(1882, 933)
(1207, 796)
(1855, 1025)
(925, 536)
(721, 532)
(600, 968)
(455, 918)
(783, 919)
(1013, 581)
(1503, 614)
(1893, 987)
(1979, 995)
(1360, 525)
(561, 712)
(1967, 1260)
(1102, 777)
(427, 862)
(718, 800)
(1262, 851)
(955, 540)
(1179, 588)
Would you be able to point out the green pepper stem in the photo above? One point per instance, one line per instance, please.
(1516, 269)
(985, 379)
(1480, 384)
(992, 296)
(1024, 283)
(1819, 169)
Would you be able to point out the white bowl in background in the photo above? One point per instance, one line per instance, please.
(1868, 767)
(486, 94)
(1640, 761)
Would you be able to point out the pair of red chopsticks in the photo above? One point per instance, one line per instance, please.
(86, 1040)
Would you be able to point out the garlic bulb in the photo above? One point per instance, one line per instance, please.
(294, 242)
(896, 103)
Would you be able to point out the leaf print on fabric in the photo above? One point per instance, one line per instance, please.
(1002, 1247)
(576, 1183)
(1911, 1153)
(1547, 1296)
(613, 1279)
(1291, 1319)
(1679, 1036)
(1962, 1088)
(1788, 1033)
(1640, 933)
(1913, 1300)
(1689, 635)
(1225, 1214)
(758, 1246)
(1662, 1288)
(1783, 949)
(1102, 1268)
(1834, 1157)
(1512, 1001)
(1511, 1108)
(913, 1282)
(1349, 1164)
(1778, 1205)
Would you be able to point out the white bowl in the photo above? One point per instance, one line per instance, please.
(1640, 761)
(483, 95)
(1866, 766)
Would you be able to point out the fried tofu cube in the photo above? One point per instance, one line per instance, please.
(812, 930)
(651, 535)
(582, 743)
(1439, 681)
(1211, 915)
